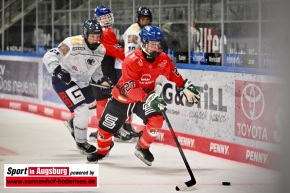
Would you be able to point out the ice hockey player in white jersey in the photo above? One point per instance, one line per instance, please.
(73, 64)
(131, 37)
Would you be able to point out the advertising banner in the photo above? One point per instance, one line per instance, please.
(214, 59)
(234, 60)
(182, 57)
(198, 57)
(219, 114)
(19, 78)
(48, 92)
(255, 106)
(212, 116)
(51, 176)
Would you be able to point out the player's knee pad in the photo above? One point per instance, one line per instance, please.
(82, 115)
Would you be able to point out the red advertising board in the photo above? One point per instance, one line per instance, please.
(255, 111)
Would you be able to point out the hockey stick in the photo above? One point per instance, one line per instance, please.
(97, 85)
(192, 181)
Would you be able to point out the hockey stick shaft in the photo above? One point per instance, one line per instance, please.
(179, 147)
(97, 85)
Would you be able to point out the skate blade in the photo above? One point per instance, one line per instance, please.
(140, 156)
(84, 152)
(93, 162)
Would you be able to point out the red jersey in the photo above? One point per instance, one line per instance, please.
(139, 76)
(110, 41)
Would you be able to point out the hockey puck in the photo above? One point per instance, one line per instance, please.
(226, 183)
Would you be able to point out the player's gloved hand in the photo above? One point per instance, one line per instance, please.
(105, 81)
(121, 42)
(191, 94)
(155, 102)
(62, 74)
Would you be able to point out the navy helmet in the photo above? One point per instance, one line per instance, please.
(92, 27)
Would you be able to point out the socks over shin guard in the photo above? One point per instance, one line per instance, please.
(104, 141)
(148, 137)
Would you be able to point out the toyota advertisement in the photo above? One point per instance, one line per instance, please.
(255, 106)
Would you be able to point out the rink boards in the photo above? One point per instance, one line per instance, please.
(237, 117)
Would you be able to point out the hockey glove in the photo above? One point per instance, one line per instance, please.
(105, 81)
(191, 94)
(155, 102)
(62, 74)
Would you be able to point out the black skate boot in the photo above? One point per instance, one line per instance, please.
(86, 148)
(144, 155)
(128, 127)
(93, 136)
(70, 126)
(95, 157)
(123, 136)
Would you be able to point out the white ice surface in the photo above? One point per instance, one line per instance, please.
(41, 140)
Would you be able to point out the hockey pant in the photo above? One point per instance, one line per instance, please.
(80, 101)
(114, 116)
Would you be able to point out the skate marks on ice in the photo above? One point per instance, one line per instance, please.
(39, 140)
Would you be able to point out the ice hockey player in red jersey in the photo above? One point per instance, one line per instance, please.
(134, 93)
(114, 51)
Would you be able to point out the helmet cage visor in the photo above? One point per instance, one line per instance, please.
(152, 48)
(106, 20)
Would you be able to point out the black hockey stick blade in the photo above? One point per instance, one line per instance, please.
(186, 185)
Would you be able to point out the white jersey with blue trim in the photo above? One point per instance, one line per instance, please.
(81, 62)
(131, 38)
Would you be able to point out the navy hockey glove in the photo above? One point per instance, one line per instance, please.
(62, 74)
(155, 102)
(191, 94)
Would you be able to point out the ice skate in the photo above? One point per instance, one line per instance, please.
(123, 136)
(144, 154)
(93, 136)
(128, 127)
(95, 157)
(70, 126)
(86, 148)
